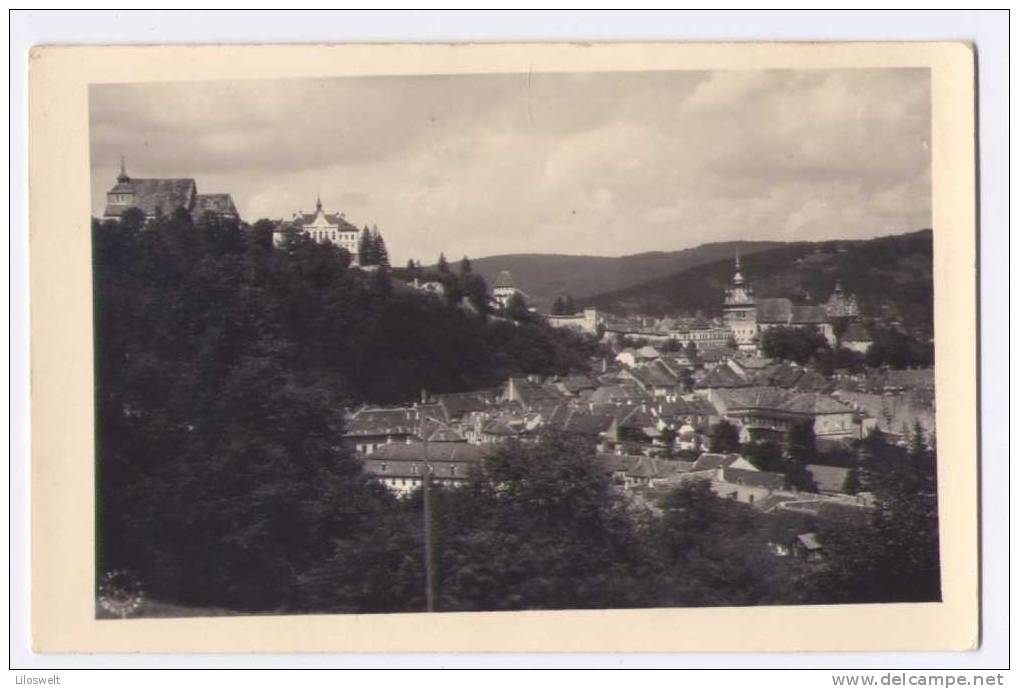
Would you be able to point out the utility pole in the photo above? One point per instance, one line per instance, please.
(429, 574)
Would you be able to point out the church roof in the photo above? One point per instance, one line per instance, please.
(152, 195)
(779, 310)
(774, 310)
(223, 204)
(807, 315)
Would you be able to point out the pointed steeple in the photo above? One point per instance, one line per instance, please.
(737, 278)
(122, 177)
(318, 203)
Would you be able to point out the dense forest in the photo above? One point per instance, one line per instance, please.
(890, 276)
(222, 365)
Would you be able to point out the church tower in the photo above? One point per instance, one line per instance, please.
(739, 312)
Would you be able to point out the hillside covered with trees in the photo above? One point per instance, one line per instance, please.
(892, 278)
(545, 277)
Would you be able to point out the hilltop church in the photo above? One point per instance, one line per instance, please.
(155, 197)
(747, 317)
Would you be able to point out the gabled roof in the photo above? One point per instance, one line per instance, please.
(783, 375)
(457, 404)
(574, 384)
(779, 310)
(154, 195)
(638, 418)
(529, 392)
(301, 219)
(755, 479)
(702, 407)
(712, 460)
(722, 377)
(433, 452)
(812, 381)
(808, 315)
(809, 541)
(583, 423)
(774, 310)
(616, 393)
(814, 403)
(221, 204)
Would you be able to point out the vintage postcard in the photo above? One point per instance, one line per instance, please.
(504, 348)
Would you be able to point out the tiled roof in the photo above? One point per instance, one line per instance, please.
(754, 479)
(583, 423)
(302, 219)
(722, 377)
(808, 315)
(457, 404)
(152, 195)
(616, 393)
(436, 452)
(222, 204)
(779, 310)
(814, 403)
(774, 310)
(812, 381)
(709, 461)
(529, 392)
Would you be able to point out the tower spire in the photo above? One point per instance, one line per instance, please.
(122, 177)
(318, 202)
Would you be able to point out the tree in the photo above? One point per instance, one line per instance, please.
(766, 456)
(691, 350)
(379, 252)
(220, 476)
(892, 554)
(516, 307)
(853, 484)
(132, 219)
(465, 266)
(558, 307)
(366, 249)
(897, 349)
(569, 307)
(443, 265)
(793, 344)
(724, 437)
(476, 291)
(801, 449)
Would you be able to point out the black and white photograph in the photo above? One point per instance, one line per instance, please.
(526, 341)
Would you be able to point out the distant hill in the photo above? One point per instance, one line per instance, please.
(890, 276)
(543, 277)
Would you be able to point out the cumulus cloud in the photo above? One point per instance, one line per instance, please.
(591, 163)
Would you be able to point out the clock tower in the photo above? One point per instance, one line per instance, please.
(740, 311)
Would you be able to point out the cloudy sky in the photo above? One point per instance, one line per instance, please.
(600, 164)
